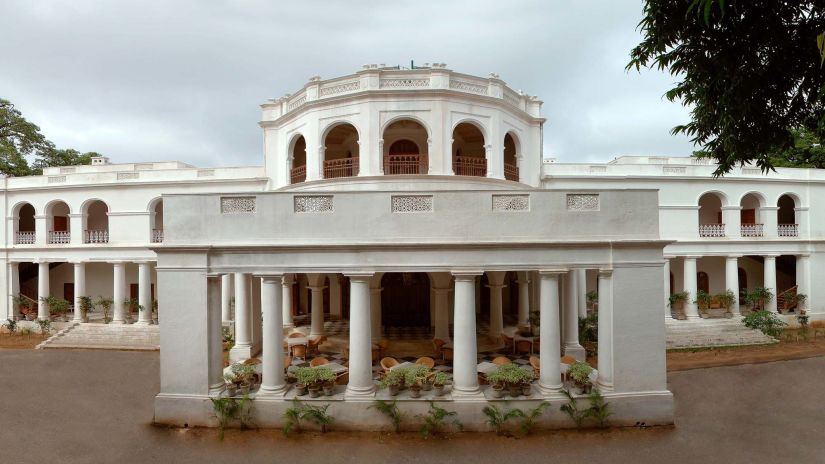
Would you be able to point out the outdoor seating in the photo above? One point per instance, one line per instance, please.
(319, 361)
(315, 343)
(299, 351)
(524, 346)
(509, 343)
(426, 361)
(382, 344)
(502, 360)
(388, 363)
(568, 359)
(447, 354)
(536, 365)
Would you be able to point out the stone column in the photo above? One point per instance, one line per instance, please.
(606, 328)
(550, 351)
(360, 341)
(523, 299)
(465, 348)
(226, 297)
(770, 281)
(803, 276)
(691, 310)
(42, 290)
(79, 290)
(335, 312)
(732, 280)
(14, 286)
(495, 281)
(375, 307)
(286, 296)
(572, 347)
(243, 320)
(272, 370)
(316, 286)
(581, 293)
(666, 272)
(144, 293)
(214, 335)
(119, 292)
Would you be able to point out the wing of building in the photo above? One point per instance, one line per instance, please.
(396, 201)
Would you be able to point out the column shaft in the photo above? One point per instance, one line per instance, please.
(14, 287)
(496, 284)
(442, 314)
(214, 336)
(42, 290)
(334, 297)
(226, 297)
(605, 355)
(375, 313)
(360, 341)
(144, 293)
(691, 310)
(273, 354)
(79, 291)
(523, 300)
(286, 296)
(317, 316)
(243, 323)
(770, 282)
(572, 347)
(732, 281)
(119, 292)
(550, 351)
(465, 349)
(581, 294)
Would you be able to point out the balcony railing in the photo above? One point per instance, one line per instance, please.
(405, 164)
(711, 230)
(753, 230)
(511, 172)
(157, 235)
(96, 236)
(298, 175)
(470, 166)
(24, 238)
(344, 167)
(787, 230)
(59, 237)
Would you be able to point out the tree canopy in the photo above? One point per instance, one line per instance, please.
(21, 141)
(751, 72)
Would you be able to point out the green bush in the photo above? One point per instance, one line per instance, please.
(758, 298)
(727, 299)
(678, 297)
(765, 321)
(580, 373)
(703, 299)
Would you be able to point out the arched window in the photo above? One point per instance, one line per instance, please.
(710, 216)
(341, 152)
(786, 217)
(750, 216)
(469, 153)
(298, 160)
(57, 221)
(96, 222)
(25, 225)
(702, 281)
(407, 148)
(510, 159)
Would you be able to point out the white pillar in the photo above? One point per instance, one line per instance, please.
(286, 296)
(79, 290)
(14, 286)
(119, 292)
(770, 281)
(523, 299)
(465, 348)
(691, 310)
(375, 308)
(214, 336)
(666, 275)
(581, 293)
(42, 290)
(226, 297)
(145, 293)
(360, 342)
(495, 282)
(732, 281)
(572, 347)
(273, 353)
(243, 320)
(803, 276)
(549, 351)
(317, 316)
(605, 354)
(335, 312)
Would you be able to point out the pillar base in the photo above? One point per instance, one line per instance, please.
(550, 391)
(359, 393)
(143, 323)
(239, 353)
(272, 392)
(604, 386)
(577, 351)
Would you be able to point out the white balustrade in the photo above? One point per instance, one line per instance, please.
(59, 237)
(157, 235)
(96, 236)
(24, 238)
(753, 230)
(787, 230)
(711, 230)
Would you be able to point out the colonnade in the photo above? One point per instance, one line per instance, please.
(551, 285)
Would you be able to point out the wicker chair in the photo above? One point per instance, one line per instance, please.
(447, 354)
(299, 351)
(536, 345)
(426, 361)
(315, 343)
(388, 363)
(319, 361)
(524, 346)
(287, 362)
(383, 344)
(568, 359)
(295, 335)
(438, 344)
(342, 379)
(508, 343)
(536, 365)
(502, 360)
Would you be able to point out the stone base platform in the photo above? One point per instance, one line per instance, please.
(703, 333)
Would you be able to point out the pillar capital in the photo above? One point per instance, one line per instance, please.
(734, 256)
(771, 255)
(360, 276)
(803, 255)
(466, 275)
(271, 276)
(552, 272)
(691, 257)
(605, 272)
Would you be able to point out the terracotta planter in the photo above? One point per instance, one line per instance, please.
(394, 390)
(498, 391)
(415, 391)
(314, 391)
(301, 390)
(438, 390)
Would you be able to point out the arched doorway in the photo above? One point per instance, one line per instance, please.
(24, 225)
(57, 217)
(786, 217)
(469, 152)
(96, 222)
(751, 216)
(702, 282)
(341, 152)
(405, 149)
(510, 158)
(710, 216)
(405, 299)
(298, 161)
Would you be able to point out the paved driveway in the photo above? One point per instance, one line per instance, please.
(96, 406)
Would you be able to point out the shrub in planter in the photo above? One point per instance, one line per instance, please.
(703, 300)
(440, 380)
(796, 300)
(242, 376)
(105, 306)
(326, 379)
(510, 376)
(394, 380)
(58, 307)
(414, 378)
(765, 321)
(726, 300)
(758, 298)
(304, 376)
(85, 307)
(677, 300)
(579, 372)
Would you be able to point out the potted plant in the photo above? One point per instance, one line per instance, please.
(304, 376)
(243, 375)
(758, 298)
(795, 301)
(231, 387)
(726, 300)
(155, 312)
(105, 306)
(26, 306)
(414, 379)
(677, 303)
(58, 307)
(440, 379)
(579, 372)
(393, 381)
(703, 300)
(509, 376)
(326, 378)
(592, 300)
(496, 380)
(535, 324)
(85, 308)
(132, 305)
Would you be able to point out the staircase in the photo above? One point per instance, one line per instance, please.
(704, 333)
(106, 337)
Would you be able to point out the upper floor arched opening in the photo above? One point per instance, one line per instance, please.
(469, 150)
(24, 224)
(298, 160)
(751, 220)
(156, 220)
(786, 221)
(57, 222)
(511, 157)
(710, 215)
(405, 148)
(341, 150)
(95, 221)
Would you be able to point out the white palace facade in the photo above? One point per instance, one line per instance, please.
(389, 180)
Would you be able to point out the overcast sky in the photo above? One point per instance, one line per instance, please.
(158, 79)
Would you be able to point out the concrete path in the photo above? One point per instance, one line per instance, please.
(96, 407)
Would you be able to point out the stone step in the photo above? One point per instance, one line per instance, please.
(709, 333)
(105, 336)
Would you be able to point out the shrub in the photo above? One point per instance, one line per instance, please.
(497, 418)
(571, 408)
(678, 297)
(228, 409)
(727, 299)
(105, 305)
(592, 297)
(440, 378)
(435, 418)
(758, 298)
(45, 326)
(415, 375)
(510, 374)
(394, 378)
(765, 321)
(589, 329)
(10, 325)
(580, 373)
(304, 375)
(317, 415)
(599, 410)
(703, 299)
(292, 418)
(528, 419)
(391, 411)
